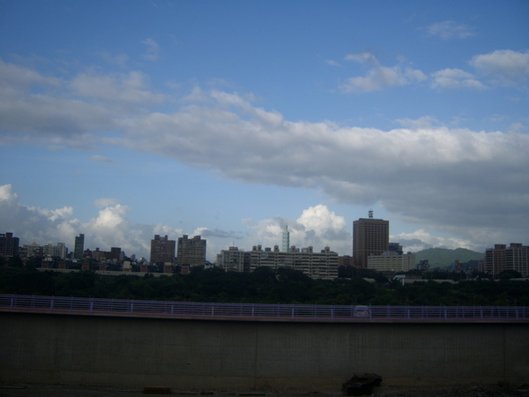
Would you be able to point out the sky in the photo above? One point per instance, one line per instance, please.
(122, 119)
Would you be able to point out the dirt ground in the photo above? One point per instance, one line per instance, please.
(38, 390)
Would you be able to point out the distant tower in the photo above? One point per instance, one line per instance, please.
(79, 247)
(285, 241)
(370, 237)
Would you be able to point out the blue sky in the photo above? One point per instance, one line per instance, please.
(230, 119)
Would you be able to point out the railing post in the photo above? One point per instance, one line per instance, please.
(52, 302)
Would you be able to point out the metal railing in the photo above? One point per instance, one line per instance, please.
(260, 312)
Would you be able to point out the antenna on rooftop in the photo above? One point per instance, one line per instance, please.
(370, 214)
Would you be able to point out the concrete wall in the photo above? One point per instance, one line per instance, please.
(216, 355)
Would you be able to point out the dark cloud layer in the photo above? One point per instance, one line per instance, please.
(474, 184)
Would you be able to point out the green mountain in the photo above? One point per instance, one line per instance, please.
(442, 257)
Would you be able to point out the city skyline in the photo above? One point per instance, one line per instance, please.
(231, 120)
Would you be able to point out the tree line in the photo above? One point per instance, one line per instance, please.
(264, 285)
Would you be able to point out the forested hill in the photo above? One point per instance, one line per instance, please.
(442, 257)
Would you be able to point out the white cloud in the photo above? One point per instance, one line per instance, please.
(127, 88)
(383, 77)
(55, 214)
(110, 226)
(321, 220)
(109, 218)
(6, 194)
(362, 57)
(421, 239)
(12, 75)
(450, 30)
(152, 49)
(119, 59)
(380, 77)
(33, 223)
(503, 66)
(317, 226)
(106, 202)
(455, 78)
(332, 62)
(100, 158)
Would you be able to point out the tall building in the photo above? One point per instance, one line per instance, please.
(501, 258)
(191, 251)
(8, 245)
(285, 240)
(162, 249)
(370, 237)
(78, 250)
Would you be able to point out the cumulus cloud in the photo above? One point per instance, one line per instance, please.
(450, 30)
(380, 77)
(32, 223)
(455, 78)
(109, 227)
(317, 226)
(55, 214)
(503, 66)
(421, 239)
(6, 194)
(321, 220)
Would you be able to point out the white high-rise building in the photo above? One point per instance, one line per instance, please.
(285, 241)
